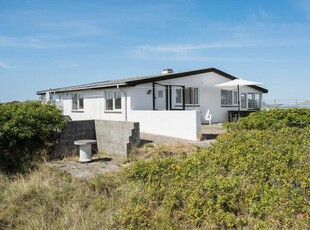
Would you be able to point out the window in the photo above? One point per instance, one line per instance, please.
(226, 97)
(229, 97)
(191, 96)
(243, 100)
(160, 93)
(235, 97)
(178, 97)
(254, 100)
(77, 101)
(113, 100)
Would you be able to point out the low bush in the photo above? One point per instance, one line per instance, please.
(27, 131)
(254, 179)
(272, 119)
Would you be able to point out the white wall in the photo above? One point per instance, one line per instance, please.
(140, 100)
(94, 106)
(137, 98)
(209, 95)
(180, 124)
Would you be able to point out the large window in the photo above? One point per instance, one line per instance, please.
(247, 100)
(226, 97)
(229, 97)
(77, 101)
(113, 100)
(254, 100)
(191, 96)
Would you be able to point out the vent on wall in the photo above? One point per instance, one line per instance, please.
(167, 71)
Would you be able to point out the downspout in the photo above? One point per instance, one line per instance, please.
(125, 101)
(153, 93)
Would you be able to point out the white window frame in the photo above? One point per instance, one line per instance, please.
(233, 97)
(114, 103)
(259, 106)
(193, 96)
(79, 102)
(244, 102)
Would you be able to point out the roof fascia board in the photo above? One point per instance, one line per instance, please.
(146, 80)
(189, 73)
(62, 90)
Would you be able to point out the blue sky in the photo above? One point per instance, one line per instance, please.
(49, 44)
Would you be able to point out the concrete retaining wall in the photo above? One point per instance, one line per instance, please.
(74, 130)
(116, 137)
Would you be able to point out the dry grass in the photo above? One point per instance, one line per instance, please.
(50, 199)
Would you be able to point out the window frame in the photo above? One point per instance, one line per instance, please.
(254, 101)
(80, 104)
(116, 101)
(188, 96)
(193, 96)
(243, 100)
(231, 100)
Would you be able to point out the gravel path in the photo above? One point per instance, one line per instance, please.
(87, 170)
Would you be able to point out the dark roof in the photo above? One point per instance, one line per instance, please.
(141, 80)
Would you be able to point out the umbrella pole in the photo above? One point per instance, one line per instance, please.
(238, 95)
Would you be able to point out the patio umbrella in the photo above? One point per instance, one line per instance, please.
(233, 84)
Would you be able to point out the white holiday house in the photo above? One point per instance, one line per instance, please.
(172, 104)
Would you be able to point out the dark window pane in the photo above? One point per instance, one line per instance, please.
(178, 96)
(81, 102)
(109, 100)
(118, 100)
(74, 102)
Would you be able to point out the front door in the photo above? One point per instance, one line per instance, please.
(160, 97)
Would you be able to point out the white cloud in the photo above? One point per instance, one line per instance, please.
(5, 66)
(260, 15)
(181, 48)
(35, 42)
(187, 51)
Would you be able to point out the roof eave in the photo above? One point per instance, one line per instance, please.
(67, 89)
(189, 73)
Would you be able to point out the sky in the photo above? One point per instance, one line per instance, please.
(48, 44)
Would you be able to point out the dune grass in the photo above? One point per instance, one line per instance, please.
(252, 177)
(51, 199)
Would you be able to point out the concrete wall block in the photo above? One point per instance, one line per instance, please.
(74, 130)
(115, 136)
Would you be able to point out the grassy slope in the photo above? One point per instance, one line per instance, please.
(256, 179)
(50, 199)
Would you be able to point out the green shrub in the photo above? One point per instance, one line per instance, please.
(272, 119)
(27, 130)
(254, 179)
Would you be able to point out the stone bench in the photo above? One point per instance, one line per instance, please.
(85, 149)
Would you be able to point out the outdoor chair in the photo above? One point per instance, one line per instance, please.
(208, 117)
